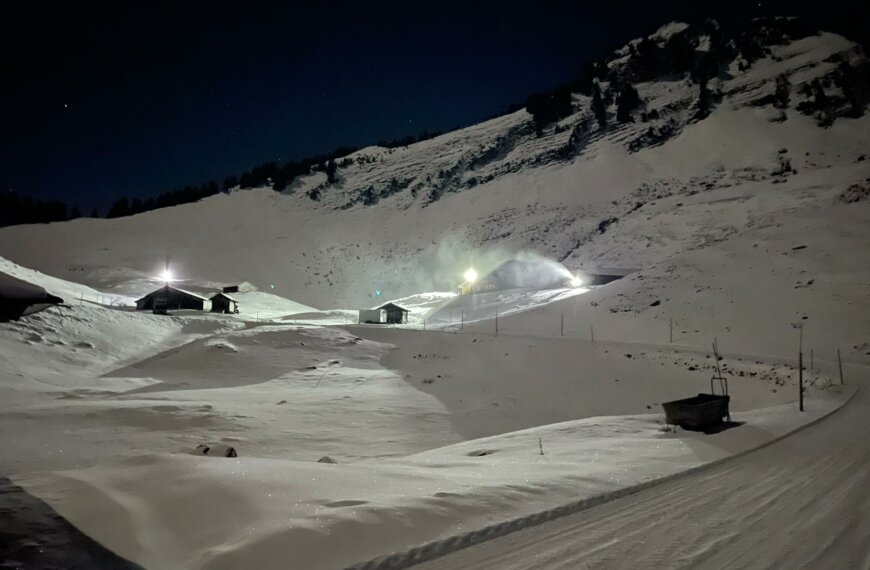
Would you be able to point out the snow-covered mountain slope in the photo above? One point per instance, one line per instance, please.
(578, 194)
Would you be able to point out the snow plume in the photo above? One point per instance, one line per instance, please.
(443, 268)
(524, 271)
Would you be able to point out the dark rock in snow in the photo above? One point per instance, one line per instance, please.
(216, 450)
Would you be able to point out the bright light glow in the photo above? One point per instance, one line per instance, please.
(576, 281)
(166, 276)
(470, 275)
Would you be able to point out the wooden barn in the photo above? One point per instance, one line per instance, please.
(223, 303)
(396, 315)
(170, 298)
(389, 314)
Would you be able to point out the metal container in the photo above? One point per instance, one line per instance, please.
(700, 413)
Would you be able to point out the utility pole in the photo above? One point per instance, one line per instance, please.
(801, 379)
(800, 326)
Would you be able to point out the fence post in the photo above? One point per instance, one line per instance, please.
(562, 330)
(496, 322)
(840, 363)
(592, 334)
(671, 332)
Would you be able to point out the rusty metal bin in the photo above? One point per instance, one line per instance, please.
(699, 413)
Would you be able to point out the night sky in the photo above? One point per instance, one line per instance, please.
(97, 102)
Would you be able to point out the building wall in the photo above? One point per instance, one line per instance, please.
(377, 316)
(396, 316)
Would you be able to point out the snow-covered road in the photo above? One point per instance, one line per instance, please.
(802, 502)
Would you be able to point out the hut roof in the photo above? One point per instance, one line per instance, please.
(176, 289)
(216, 295)
(14, 289)
(394, 306)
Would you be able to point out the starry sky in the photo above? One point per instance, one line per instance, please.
(99, 101)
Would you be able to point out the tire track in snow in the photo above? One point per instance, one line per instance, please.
(675, 498)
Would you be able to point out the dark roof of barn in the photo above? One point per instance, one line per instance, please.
(216, 295)
(14, 289)
(394, 306)
(177, 290)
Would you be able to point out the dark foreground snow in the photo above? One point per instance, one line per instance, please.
(35, 537)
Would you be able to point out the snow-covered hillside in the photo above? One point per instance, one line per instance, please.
(482, 194)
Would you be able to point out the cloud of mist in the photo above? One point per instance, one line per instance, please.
(442, 268)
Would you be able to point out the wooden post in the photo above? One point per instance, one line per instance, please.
(812, 361)
(496, 322)
(801, 379)
(592, 334)
(840, 363)
(562, 330)
(424, 324)
(671, 335)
